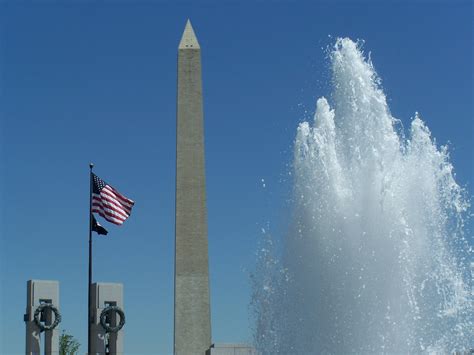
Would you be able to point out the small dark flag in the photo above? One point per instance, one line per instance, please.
(96, 227)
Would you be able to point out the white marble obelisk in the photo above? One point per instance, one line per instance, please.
(192, 321)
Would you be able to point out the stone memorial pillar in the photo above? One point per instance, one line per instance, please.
(42, 313)
(107, 319)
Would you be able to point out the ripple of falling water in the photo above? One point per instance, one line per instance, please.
(375, 259)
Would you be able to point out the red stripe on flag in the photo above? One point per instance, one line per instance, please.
(109, 211)
(109, 201)
(119, 214)
(108, 214)
(115, 193)
(113, 198)
(103, 214)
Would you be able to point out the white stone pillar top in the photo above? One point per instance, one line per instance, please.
(41, 290)
(107, 292)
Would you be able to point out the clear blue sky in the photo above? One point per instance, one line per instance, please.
(95, 81)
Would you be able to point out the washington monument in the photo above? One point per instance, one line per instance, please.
(192, 319)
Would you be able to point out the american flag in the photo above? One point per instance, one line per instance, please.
(109, 203)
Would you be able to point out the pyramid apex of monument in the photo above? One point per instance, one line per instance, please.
(189, 40)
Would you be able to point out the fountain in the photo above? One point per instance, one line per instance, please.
(375, 259)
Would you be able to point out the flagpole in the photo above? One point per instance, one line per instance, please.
(89, 312)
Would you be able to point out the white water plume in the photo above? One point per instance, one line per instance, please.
(375, 260)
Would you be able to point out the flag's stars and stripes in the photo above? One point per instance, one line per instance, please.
(109, 203)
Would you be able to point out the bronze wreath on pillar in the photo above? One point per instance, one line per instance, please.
(41, 308)
(103, 316)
